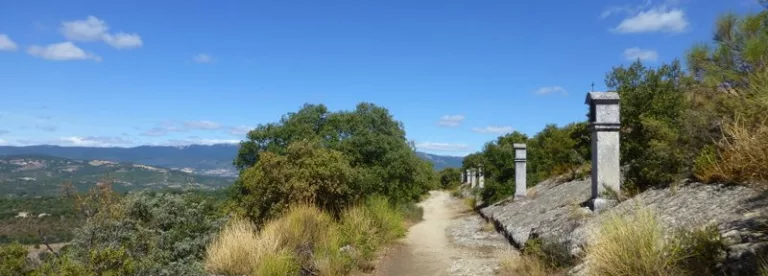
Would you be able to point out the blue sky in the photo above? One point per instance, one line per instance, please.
(456, 73)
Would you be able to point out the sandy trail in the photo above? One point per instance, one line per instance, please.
(451, 240)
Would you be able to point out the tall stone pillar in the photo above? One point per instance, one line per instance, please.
(481, 178)
(604, 123)
(521, 184)
(472, 178)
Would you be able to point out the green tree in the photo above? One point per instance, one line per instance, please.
(449, 178)
(740, 49)
(371, 141)
(651, 108)
(307, 172)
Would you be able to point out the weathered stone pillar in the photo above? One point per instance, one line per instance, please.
(472, 178)
(520, 170)
(604, 123)
(481, 178)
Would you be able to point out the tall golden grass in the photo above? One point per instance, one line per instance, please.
(306, 239)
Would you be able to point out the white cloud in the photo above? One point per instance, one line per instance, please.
(658, 19)
(493, 129)
(92, 141)
(433, 146)
(239, 130)
(451, 120)
(550, 90)
(6, 44)
(61, 52)
(90, 29)
(94, 29)
(203, 58)
(200, 125)
(636, 53)
(123, 40)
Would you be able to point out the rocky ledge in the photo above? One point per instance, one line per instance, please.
(556, 212)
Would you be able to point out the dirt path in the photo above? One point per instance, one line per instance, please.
(451, 240)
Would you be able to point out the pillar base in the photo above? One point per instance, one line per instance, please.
(600, 204)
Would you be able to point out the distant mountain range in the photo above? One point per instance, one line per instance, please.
(38, 175)
(212, 160)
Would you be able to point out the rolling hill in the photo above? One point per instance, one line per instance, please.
(213, 160)
(36, 175)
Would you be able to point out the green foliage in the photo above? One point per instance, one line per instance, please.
(351, 154)
(306, 172)
(741, 48)
(551, 152)
(558, 150)
(651, 106)
(494, 191)
(145, 233)
(552, 254)
(449, 178)
(13, 260)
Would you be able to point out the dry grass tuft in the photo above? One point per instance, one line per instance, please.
(523, 265)
(236, 244)
(742, 154)
(630, 245)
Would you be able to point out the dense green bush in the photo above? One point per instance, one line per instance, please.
(351, 154)
(449, 178)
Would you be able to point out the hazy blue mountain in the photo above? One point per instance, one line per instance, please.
(200, 159)
(441, 161)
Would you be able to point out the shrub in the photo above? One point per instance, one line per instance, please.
(449, 178)
(13, 260)
(524, 265)
(145, 233)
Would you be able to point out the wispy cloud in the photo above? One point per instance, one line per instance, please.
(61, 52)
(203, 58)
(94, 29)
(48, 128)
(186, 142)
(636, 53)
(6, 44)
(200, 125)
(167, 127)
(451, 120)
(447, 147)
(239, 130)
(3, 132)
(493, 129)
(547, 90)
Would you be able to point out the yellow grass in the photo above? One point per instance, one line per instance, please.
(631, 245)
(513, 265)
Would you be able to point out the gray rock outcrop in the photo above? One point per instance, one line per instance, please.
(555, 213)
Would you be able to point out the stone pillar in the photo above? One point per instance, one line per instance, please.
(604, 124)
(472, 178)
(481, 178)
(520, 170)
